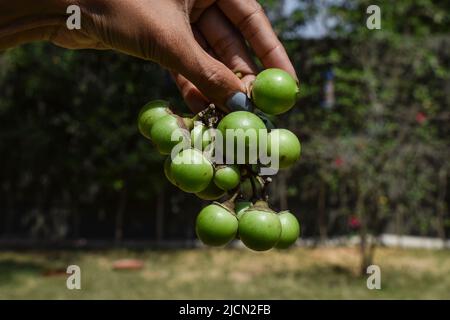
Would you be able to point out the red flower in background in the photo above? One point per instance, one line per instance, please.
(420, 117)
(354, 222)
(338, 162)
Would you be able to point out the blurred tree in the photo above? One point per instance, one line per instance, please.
(73, 164)
(383, 146)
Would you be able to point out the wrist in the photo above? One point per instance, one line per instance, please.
(21, 20)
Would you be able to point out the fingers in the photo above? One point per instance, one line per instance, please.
(227, 43)
(168, 40)
(195, 100)
(217, 82)
(241, 64)
(162, 33)
(249, 17)
(202, 42)
(18, 38)
(198, 8)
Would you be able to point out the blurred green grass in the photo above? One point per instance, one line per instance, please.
(300, 273)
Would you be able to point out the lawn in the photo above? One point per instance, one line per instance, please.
(300, 273)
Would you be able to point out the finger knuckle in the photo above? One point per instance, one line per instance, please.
(249, 19)
(213, 75)
(186, 89)
(223, 43)
(272, 49)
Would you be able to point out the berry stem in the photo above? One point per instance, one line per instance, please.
(254, 189)
(230, 202)
(265, 186)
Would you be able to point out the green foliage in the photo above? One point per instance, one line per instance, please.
(72, 159)
(382, 150)
(69, 133)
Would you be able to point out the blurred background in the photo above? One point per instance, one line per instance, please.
(79, 184)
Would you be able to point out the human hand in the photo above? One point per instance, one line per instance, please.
(202, 42)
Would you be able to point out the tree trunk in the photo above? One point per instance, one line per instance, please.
(10, 208)
(72, 206)
(160, 217)
(321, 212)
(123, 197)
(367, 245)
(441, 204)
(282, 190)
(399, 222)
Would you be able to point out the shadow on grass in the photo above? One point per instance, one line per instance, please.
(321, 272)
(39, 265)
(10, 269)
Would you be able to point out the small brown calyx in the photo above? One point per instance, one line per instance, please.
(228, 205)
(261, 205)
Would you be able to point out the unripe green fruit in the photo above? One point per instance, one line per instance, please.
(216, 225)
(150, 113)
(245, 127)
(267, 119)
(163, 129)
(284, 145)
(227, 177)
(274, 91)
(191, 171)
(246, 188)
(200, 136)
(240, 207)
(212, 192)
(259, 227)
(290, 230)
(167, 170)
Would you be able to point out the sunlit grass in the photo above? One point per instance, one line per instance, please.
(226, 274)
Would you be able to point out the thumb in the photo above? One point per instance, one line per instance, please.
(216, 82)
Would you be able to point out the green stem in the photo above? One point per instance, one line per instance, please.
(230, 202)
(265, 186)
(254, 189)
